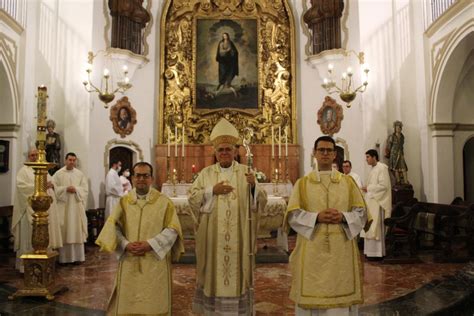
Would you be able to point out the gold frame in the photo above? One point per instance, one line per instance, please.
(123, 103)
(276, 73)
(332, 126)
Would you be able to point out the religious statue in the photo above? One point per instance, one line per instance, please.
(394, 153)
(53, 146)
(128, 19)
(324, 20)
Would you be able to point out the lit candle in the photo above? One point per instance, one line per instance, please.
(193, 168)
(125, 69)
(279, 141)
(176, 141)
(273, 145)
(169, 141)
(106, 72)
(182, 147)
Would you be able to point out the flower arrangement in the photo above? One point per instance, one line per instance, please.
(260, 176)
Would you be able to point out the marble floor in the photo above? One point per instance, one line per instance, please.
(90, 285)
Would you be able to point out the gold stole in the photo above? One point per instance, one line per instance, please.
(227, 252)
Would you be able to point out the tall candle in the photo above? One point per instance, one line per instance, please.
(273, 146)
(286, 144)
(169, 141)
(279, 141)
(176, 141)
(182, 147)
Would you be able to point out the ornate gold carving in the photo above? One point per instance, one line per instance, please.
(276, 73)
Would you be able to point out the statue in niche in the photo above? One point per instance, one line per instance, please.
(129, 18)
(395, 155)
(53, 146)
(324, 21)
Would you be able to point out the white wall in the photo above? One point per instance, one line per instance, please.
(60, 33)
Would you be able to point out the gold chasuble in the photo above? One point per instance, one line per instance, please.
(143, 283)
(326, 269)
(222, 238)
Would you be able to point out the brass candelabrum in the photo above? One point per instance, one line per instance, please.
(39, 277)
(168, 174)
(276, 180)
(174, 181)
(183, 179)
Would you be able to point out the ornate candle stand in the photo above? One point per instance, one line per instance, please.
(276, 181)
(40, 264)
(174, 181)
(183, 180)
(168, 173)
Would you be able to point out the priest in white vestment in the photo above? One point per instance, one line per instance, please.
(22, 218)
(144, 229)
(113, 187)
(327, 210)
(221, 198)
(379, 205)
(71, 189)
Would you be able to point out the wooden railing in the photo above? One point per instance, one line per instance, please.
(16, 9)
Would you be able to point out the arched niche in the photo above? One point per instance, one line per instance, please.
(8, 85)
(451, 67)
(134, 148)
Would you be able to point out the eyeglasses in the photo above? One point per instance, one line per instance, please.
(142, 176)
(224, 149)
(325, 150)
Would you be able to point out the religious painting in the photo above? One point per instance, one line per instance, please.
(123, 117)
(330, 116)
(233, 59)
(226, 64)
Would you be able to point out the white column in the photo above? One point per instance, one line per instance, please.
(443, 166)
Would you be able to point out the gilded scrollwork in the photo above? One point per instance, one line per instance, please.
(276, 68)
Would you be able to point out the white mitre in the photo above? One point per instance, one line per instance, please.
(224, 132)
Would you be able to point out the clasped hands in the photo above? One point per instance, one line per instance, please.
(224, 188)
(138, 248)
(71, 189)
(330, 216)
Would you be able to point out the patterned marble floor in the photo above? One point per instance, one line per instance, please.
(90, 284)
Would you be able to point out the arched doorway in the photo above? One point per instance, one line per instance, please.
(468, 164)
(124, 154)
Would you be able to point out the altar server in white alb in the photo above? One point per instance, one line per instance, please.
(379, 205)
(23, 213)
(113, 187)
(71, 193)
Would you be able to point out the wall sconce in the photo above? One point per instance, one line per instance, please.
(108, 94)
(346, 91)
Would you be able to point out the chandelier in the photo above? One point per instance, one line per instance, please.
(106, 91)
(346, 90)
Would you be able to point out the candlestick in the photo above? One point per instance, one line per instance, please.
(279, 141)
(182, 147)
(169, 142)
(273, 146)
(176, 141)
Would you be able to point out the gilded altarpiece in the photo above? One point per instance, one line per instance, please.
(262, 30)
